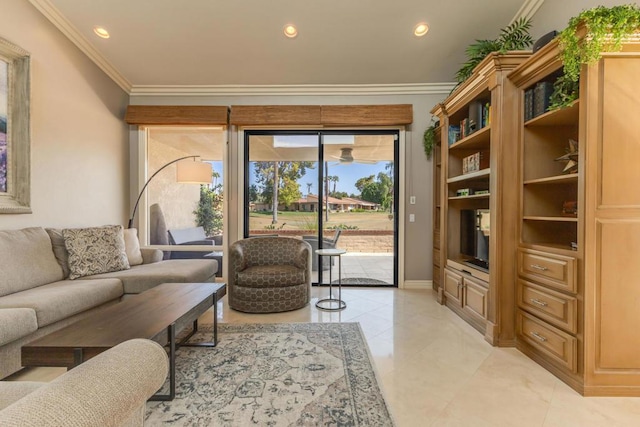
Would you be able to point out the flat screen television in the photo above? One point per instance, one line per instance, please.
(475, 229)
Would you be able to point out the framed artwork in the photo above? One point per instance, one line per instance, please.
(15, 138)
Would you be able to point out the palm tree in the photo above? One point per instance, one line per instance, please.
(309, 184)
(334, 179)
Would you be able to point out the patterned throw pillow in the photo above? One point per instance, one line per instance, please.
(95, 250)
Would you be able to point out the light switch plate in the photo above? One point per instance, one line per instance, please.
(412, 218)
(412, 200)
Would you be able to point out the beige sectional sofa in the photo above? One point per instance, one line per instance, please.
(36, 298)
(110, 389)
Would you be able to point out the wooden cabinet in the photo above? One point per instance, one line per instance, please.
(478, 163)
(467, 296)
(437, 209)
(578, 259)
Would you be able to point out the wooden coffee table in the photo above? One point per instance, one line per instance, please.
(157, 314)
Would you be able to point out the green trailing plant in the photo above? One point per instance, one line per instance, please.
(606, 29)
(514, 37)
(429, 138)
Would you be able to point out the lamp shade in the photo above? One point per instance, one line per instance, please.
(193, 172)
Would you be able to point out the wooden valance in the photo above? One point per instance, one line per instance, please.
(322, 115)
(242, 115)
(202, 115)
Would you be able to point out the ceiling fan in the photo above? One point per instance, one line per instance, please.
(346, 157)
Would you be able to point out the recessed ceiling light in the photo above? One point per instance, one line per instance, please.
(101, 32)
(421, 29)
(290, 31)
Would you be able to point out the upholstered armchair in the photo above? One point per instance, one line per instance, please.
(269, 274)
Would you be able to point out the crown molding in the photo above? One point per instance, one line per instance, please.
(527, 10)
(53, 14)
(293, 90)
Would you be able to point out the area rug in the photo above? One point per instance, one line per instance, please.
(294, 374)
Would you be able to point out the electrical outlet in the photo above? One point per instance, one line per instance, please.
(412, 200)
(412, 218)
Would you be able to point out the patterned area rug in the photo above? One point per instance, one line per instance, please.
(295, 374)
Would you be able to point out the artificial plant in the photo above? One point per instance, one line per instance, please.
(514, 37)
(606, 28)
(429, 138)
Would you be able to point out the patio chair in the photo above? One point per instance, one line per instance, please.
(326, 244)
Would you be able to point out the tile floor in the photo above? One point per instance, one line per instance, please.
(436, 370)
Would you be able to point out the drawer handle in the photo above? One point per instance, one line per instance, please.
(538, 302)
(538, 336)
(539, 267)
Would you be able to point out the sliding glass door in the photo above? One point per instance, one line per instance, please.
(332, 189)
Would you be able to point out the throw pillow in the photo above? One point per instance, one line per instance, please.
(59, 249)
(95, 250)
(132, 246)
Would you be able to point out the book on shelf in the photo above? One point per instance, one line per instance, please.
(454, 134)
(542, 97)
(475, 116)
(475, 162)
(528, 104)
(486, 115)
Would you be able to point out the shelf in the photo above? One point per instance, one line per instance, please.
(551, 218)
(562, 117)
(478, 139)
(551, 247)
(558, 179)
(473, 196)
(470, 176)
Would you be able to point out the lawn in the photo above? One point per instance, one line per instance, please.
(308, 220)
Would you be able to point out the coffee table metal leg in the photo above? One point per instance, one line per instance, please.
(185, 343)
(171, 330)
(78, 356)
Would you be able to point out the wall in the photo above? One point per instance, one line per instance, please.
(418, 173)
(79, 142)
(555, 15)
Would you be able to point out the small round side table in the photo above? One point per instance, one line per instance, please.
(328, 303)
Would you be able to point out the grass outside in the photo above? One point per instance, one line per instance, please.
(309, 220)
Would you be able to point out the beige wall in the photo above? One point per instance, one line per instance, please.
(418, 172)
(79, 143)
(555, 14)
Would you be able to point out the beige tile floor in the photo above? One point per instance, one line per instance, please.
(435, 370)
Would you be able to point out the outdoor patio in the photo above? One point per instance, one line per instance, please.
(362, 269)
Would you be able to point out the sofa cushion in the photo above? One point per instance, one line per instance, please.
(16, 323)
(59, 300)
(142, 277)
(270, 276)
(132, 246)
(59, 249)
(95, 250)
(26, 260)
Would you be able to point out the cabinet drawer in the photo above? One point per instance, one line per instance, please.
(554, 307)
(550, 269)
(436, 257)
(475, 298)
(559, 346)
(453, 286)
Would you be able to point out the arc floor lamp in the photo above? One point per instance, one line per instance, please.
(196, 172)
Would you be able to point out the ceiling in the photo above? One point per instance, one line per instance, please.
(241, 42)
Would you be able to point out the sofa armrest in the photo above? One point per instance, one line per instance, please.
(149, 256)
(303, 256)
(107, 390)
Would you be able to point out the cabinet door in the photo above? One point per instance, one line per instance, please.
(453, 286)
(475, 298)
